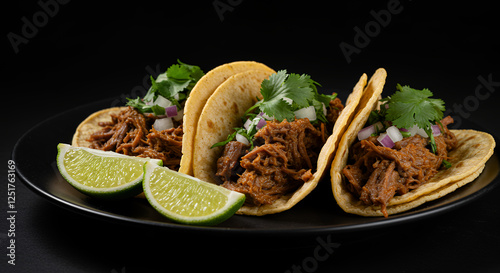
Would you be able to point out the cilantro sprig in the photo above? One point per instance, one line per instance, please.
(408, 107)
(175, 85)
(283, 94)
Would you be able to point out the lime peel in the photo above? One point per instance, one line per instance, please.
(189, 200)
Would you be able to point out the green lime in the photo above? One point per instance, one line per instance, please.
(101, 174)
(186, 199)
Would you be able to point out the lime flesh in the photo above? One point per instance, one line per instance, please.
(185, 199)
(101, 174)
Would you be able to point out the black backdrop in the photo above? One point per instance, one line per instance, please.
(59, 55)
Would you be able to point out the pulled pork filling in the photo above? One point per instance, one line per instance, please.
(132, 133)
(378, 173)
(284, 158)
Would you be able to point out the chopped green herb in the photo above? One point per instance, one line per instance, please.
(446, 164)
(174, 85)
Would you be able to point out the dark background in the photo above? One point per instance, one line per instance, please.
(87, 52)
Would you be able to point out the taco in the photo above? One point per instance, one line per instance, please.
(398, 153)
(270, 136)
(162, 124)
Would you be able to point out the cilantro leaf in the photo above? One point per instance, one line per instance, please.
(409, 106)
(174, 85)
(280, 86)
(228, 139)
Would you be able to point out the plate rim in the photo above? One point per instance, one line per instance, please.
(405, 217)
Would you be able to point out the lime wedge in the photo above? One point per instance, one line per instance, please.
(100, 174)
(186, 199)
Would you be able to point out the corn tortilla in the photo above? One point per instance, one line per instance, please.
(205, 87)
(223, 112)
(467, 159)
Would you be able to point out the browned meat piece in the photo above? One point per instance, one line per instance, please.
(378, 173)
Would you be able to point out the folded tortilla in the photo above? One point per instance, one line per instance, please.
(200, 93)
(91, 125)
(203, 89)
(467, 162)
(223, 112)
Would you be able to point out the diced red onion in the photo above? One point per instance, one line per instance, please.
(436, 131)
(163, 124)
(385, 140)
(262, 122)
(308, 112)
(369, 130)
(403, 130)
(394, 134)
(242, 139)
(171, 111)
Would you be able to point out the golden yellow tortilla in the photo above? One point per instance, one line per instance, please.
(91, 125)
(205, 87)
(200, 93)
(223, 112)
(468, 159)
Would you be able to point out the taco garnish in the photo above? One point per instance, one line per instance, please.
(405, 155)
(278, 147)
(150, 126)
(280, 153)
(162, 124)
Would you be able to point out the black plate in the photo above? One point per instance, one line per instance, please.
(35, 155)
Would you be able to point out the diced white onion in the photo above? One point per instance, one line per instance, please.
(385, 140)
(394, 133)
(324, 110)
(163, 102)
(247, 124)
(180, 115)
(415, 130)
(163, 124)
(308, 112)
(242, 139)
(369, 130)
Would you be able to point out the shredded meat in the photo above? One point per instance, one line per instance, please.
(284, 158)
(132, 133)
(333, 112)
(228, 163)
(378, 173)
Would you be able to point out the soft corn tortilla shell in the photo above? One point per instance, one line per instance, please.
(468, 159)
(223, 112)
(91, 125)
(205, 87)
